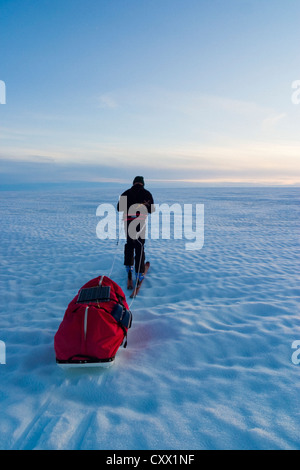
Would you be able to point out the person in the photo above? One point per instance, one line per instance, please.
(135, 203)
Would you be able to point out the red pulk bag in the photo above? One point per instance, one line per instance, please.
(94, 326)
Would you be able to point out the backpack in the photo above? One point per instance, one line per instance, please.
(94, 326)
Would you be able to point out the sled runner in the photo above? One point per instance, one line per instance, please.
(94, 326)
(84, 363)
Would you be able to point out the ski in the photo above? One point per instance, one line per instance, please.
(137, 289)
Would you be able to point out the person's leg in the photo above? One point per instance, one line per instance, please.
(140, 258)
(128, 251)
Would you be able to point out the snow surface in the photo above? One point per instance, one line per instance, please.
(208, 363)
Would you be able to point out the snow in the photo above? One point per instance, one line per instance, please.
(208, 363)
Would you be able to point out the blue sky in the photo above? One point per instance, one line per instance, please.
(193, 90)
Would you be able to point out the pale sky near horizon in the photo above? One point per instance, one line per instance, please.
(196, 90)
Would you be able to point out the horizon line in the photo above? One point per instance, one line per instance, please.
(172, 182)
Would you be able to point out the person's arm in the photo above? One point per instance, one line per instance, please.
(123, 200)
(151, 207)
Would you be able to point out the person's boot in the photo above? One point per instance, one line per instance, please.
(139, 277)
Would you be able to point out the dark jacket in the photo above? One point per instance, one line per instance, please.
(137, 194)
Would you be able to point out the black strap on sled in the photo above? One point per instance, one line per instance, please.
(123, 317)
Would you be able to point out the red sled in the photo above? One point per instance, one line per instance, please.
(94, 326)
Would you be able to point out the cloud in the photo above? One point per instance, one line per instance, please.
(237, 161)
(270, 122)
(106, 101)
(163, 133)
(165, 100)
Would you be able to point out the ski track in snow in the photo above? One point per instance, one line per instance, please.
(208, 363)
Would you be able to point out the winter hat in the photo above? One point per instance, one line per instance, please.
(139, 179)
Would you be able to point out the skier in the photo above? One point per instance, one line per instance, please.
(135, 203)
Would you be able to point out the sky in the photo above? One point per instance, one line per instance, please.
(174, 90)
